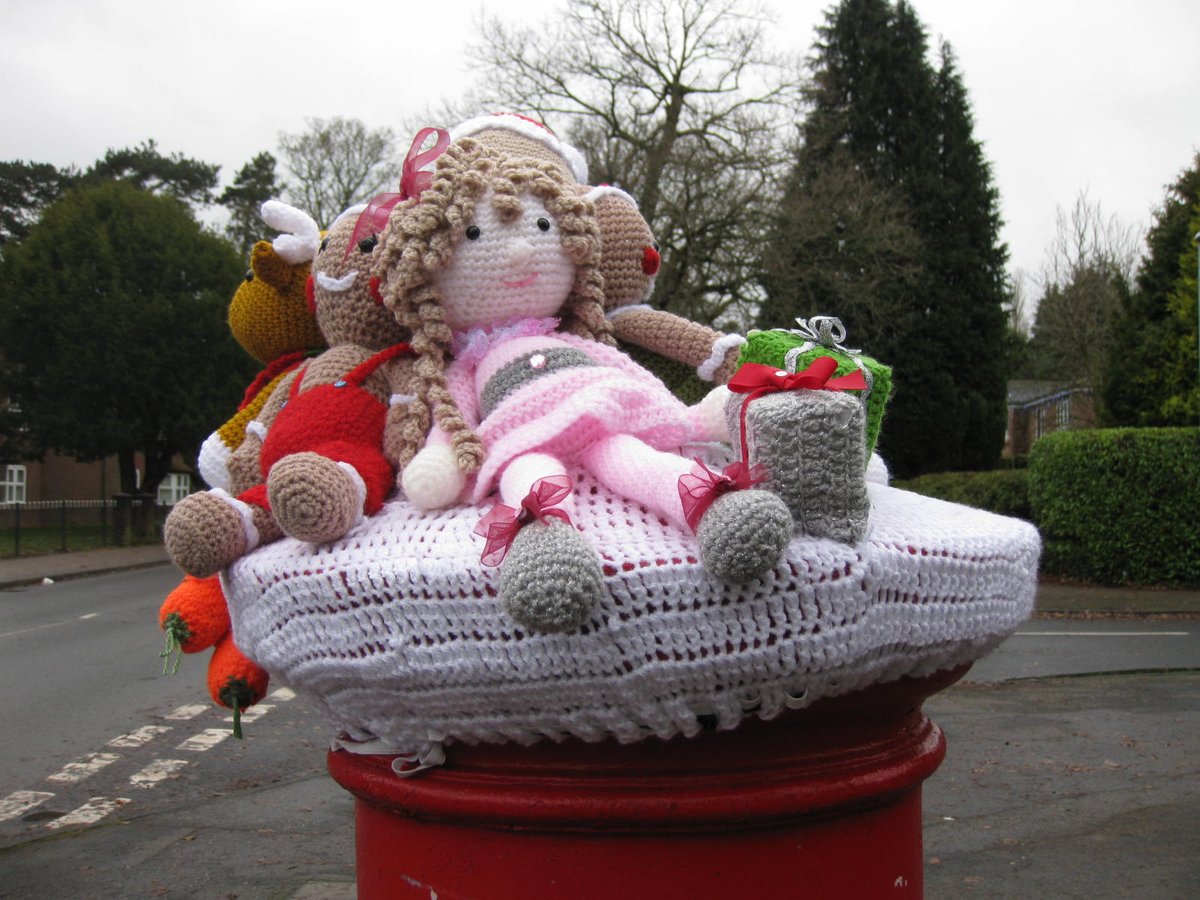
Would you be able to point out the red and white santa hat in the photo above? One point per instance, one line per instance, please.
(527, 127)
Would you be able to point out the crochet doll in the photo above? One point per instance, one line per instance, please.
(494, 272)
(813, 440)
(318, 444)
(691, 357)
(669, 344)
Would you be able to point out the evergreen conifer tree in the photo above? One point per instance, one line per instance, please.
(254, 184)
(879, 105)
(1150, 359)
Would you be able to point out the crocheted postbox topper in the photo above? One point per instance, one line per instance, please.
(575, 551)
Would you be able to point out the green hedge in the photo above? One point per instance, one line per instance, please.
(1003, 491)
(1119, 505)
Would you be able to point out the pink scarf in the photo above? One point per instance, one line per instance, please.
(472, 345)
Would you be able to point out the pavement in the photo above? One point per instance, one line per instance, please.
(1073, 787)
(22, 570)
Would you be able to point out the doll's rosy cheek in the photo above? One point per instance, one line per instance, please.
(650, 260)
(374, 290)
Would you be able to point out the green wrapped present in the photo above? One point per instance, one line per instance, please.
(793, 350)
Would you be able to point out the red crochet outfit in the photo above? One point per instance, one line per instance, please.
(340, 421)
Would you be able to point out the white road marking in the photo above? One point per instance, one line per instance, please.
(20, 802)
(49, 625)
(90, 813)
(187, 712)
(159, 770)
(1102, 633)
(75, 772)
(205, 740)
(139, 736)
(255, 712)
(282, 694)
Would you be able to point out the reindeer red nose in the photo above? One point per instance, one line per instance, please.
(650, 260)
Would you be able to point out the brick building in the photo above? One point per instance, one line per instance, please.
(57, 477)
(1040, 407)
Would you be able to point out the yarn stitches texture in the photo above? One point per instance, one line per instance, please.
(395, 632)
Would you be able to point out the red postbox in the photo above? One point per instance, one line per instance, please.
(820, 802)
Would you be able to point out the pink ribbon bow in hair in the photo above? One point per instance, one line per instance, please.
(501, 524)
(414, 179)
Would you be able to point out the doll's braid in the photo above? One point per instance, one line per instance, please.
(417, 242)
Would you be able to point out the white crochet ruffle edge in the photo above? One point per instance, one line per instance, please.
(395, 632)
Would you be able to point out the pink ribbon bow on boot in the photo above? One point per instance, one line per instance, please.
(501, 523)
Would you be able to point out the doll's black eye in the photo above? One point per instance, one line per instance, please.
(249, 275)
(473, 232)
(324, 243)
(657, 249)
(367, 244)
(543, 224)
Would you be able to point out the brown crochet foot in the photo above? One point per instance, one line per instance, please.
(204, 533)
(313, 498)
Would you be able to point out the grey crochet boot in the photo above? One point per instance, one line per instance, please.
(812, 446)
(551, 579)
(743, 534)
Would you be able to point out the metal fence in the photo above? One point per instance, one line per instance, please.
(47, 526)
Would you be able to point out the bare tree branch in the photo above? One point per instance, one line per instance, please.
(336, 163)
(680, 103)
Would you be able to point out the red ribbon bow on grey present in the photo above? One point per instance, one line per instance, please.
(501, 523)
(755, 380)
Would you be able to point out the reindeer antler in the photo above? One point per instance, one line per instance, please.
(300, 237)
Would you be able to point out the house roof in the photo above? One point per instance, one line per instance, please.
(1023, 392)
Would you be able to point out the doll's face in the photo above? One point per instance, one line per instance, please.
(505, 270)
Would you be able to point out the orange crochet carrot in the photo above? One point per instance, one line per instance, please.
(234, 681)
(194, 617)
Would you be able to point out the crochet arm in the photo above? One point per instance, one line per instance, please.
(401, 385)
(245, 469)
(712, 353)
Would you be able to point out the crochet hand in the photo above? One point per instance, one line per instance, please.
(725, 371)
(243, 465)
(433, 480)
(711, 414)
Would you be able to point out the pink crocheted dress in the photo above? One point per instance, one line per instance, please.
(580, 402)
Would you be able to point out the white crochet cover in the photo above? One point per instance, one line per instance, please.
(395, 632)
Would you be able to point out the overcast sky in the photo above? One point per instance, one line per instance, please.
(1102, 96)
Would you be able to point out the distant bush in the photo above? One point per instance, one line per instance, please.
(1003, 491)
(1119, 505)
(1014, 462)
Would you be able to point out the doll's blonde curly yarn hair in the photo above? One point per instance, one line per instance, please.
(419, 241)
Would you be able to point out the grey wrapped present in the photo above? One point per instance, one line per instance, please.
(811, 447)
